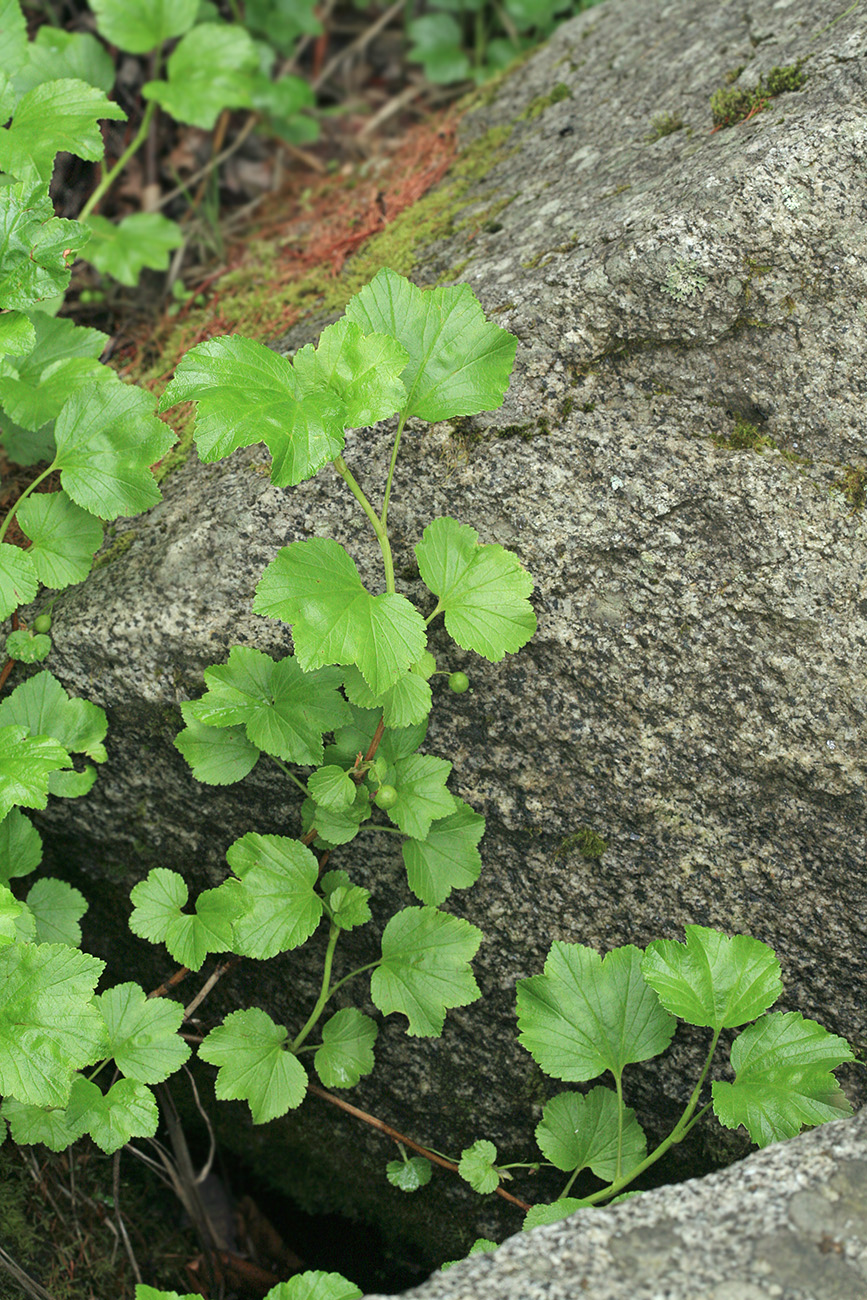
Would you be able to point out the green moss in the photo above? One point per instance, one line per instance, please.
(738, 103)
(116, 550)
(585, 841)
(537, 106)
(744, 437)
(853, 485)
(664, 124)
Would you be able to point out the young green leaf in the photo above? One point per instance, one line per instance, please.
(43, 706)
(28, 647)
(314, 585)
(208, 70)
(477, 1167)
(127, 1110)
(65, 538)
(581, 1132)
(254, 1064)
(336, 825)
(107, 439)
(57, 908)
(712, 980)
(26, 763)
(279, 875)
(422, 797)
(17, 335)
(553, 1213)
(10, 911)
(157, 901)
(20, 846)
(459, 363)
(482, 590)
(448, 858)
(124, 249)
(30, 1125)
(49, 1028)
(13, 37)
(143, 1292)
(54, 54)
(55, 116)
(404, 704)
(247, 393)
(783, 1078)
(143, 1033)
(347, 1048)
(36, 246)
(425, 968)
(410, 1174)
(315, 1286)
(586, 1014)
(217, 755)
(481, 1246)
(332, 787)
(348, 903)
(63, 360)
(139, 26)
(281, 22)
(18, 581)
(284, 710)
(355, 739)
(362, 370)
(437, 44)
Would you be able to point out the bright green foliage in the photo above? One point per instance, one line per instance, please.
(481, 1246)
(459, 362)
(31, 1124)
(36, 247)
(587, 1014)
(139, 26)
(539, 1214)
(332, 787)
(57, 908)
(712, 980)
(315, 1286)
(336, 825)
(437, 42)
(20, 846)
(347, 903)
(448, 858)
(248, 394)
(362, 370)
(783, 1078)
(16, 333)
(65, 538)
(208, 70)
(43, 706)
(53, 116)
(482, 589)
(347, 1048)
(425, 968)
(124, 249)
(283, 709)
(580, 1131)
(26, 763)
(143, 1292)
(279, 876)
(107, 440)
(422, 797)
(54, 54)
(409, 1174)
(27, 647)
(282, 21)
(477, 1166)
(49, 1027)
(18, 581)
(217, 755)
(404, 704)
(314, 585)
(143, 1033)
(10, 911)
(126, 1111)
(356, 738)
(254, 1064)
(157, 916)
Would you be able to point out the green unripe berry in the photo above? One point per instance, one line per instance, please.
(42, 623)
(426, 666)
(385, 797)
(459, 682)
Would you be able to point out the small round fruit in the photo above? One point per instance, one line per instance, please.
(42, 623)
(459, 682)
(385, 797)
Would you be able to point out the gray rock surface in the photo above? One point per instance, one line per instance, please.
(695, 695)
(789, 1223)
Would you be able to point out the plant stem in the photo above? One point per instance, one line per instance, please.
(324, 993)
(24, 495)
(291, 775)
(378, 527)
(109, 177)
(618, 1168)
(395, 449)
(352, 974)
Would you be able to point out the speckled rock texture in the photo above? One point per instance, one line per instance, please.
(684, 739)
(789, 1223)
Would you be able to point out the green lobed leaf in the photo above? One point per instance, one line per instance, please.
(459, 363)
(44, 707)
(48, 1026)
(332, 787)
(482, 590)
(64, 359)
(422, 797)
(17, 334)
(127, 1110)
(254, 1064)
(481, 1246)
(107, 440)
(217, 755)
(315, 1285)
(157, 901)
(448, 858)
(20, 846)
(314, 586)
(537, 1215)
(477, 1167)
(124, 249)
(57, 908)
(10, 911)
(55, 116)
(363, 371)
(279, 875)
(586, 1014)
(24, 447)
(72, 785)
(404, 704)
(143, 1292)
(410, 1174)
(425, 968)
(247, 394)
(13, 36)
(348, 903)
(347, 1048)
(580, 1131)
(18, 581)
(34, 246)
(284, 710)
(65, 538)
(437, 44)
(282, 21)
(26, 762)
(143, 1033)
(336, 825)
(712, 980)
(355, 738)
(28, 647)
(31, 1125)
(54, 54)
(783, 1078)
(209, 69)
(139, 26)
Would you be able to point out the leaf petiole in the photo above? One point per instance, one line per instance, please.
(324, 993)
(395, 449)
(40, 478)
(378, 527)
(109, 177)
